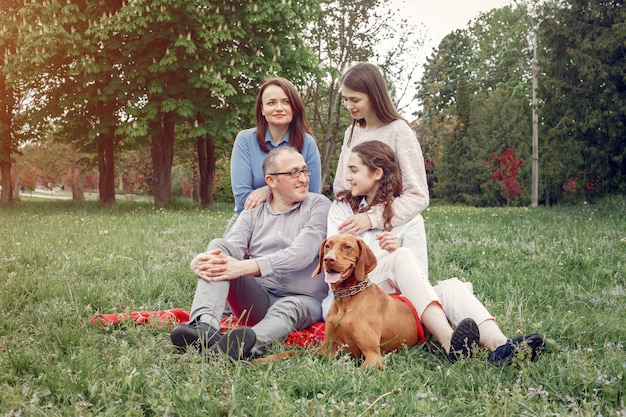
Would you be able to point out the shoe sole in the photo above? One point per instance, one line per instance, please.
(464, 339)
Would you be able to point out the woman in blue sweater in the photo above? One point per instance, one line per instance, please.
(280, 122)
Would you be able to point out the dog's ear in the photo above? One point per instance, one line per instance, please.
(366, 263)
(319, 267)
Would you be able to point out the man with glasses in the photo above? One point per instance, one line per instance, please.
(262, 267)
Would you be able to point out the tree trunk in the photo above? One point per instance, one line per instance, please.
(162, 152)
(328, 149)
(16, 184)
(330, 128)
(78, 191)
(6, 194)
(106, 166)
(206, 166)
(195, 184)
(6, 143)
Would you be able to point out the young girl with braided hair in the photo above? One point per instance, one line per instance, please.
(375, 179)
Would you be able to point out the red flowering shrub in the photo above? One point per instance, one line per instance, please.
(504, 171)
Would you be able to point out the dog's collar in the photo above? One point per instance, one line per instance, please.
(353, 290)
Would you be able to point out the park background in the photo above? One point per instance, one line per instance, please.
(133, 106)
(146, 97)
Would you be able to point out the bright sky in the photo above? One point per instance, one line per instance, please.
(440, 17)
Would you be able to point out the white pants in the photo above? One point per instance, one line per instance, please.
(401, 273)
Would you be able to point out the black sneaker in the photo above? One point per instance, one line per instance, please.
(197, 334)
(464, 340)
(534, 344)
(237, 343)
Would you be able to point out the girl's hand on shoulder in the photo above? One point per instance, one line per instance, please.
(355, 224)
(257, 197)
(388, 241)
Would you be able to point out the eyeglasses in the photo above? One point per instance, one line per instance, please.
(294, 173)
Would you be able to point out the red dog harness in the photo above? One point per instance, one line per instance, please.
(422, 336)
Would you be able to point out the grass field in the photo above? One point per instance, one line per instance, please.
(560, 271)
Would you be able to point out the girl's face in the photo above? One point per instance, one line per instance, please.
(276, 107)
(363, 181)
(358, 104)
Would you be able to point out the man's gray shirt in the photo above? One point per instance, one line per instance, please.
(286, 245)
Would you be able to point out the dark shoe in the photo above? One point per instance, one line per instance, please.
(534, 344)
(464, 340)
(237, 343)
(197, 334)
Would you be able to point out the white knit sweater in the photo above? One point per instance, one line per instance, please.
(401, 138)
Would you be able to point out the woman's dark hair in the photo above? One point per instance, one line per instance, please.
(298, 126)
(366, 78)
(376, 154)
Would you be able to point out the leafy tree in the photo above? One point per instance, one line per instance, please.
(584, 92)
(339, 35)
(453, 182)
(439, 84)
(9, 95)
(500, 52)
(474, 90)
(125, 72)
(72, 77)
(499, 121)
(47, 163)
(200, 64)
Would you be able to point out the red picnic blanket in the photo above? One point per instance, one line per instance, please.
(304, 338)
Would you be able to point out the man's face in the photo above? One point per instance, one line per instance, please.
(284, 187)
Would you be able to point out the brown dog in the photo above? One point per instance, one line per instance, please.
(363, 320)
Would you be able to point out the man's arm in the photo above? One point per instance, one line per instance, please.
(215, 266)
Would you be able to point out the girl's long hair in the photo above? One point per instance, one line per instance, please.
(377, 154)
(298, 126)
(366, 78)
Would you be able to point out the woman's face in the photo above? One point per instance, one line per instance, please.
(275, 106)
(363, 181)
(358, 104)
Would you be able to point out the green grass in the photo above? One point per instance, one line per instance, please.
(559, 271)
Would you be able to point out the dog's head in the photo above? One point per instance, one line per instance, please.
(342, 256)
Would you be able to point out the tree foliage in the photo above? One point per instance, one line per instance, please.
(583, 57)
(108, 76)
(112, 76)
(110, 73)
(474, 103)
